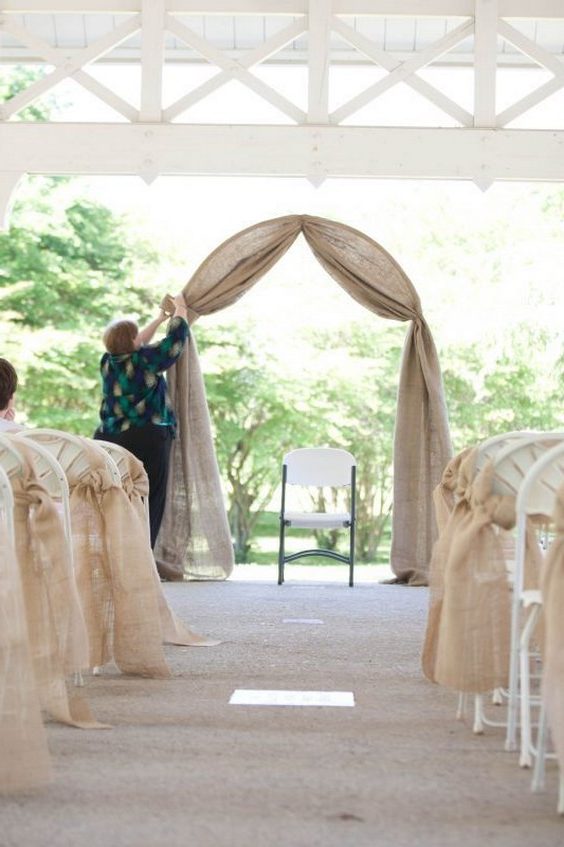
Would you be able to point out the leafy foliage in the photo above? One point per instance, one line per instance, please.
(256, 419)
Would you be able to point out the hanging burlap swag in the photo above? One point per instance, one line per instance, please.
(55, 623)
(466, 645)
(114, 572)
(195, 534)
(24, 760)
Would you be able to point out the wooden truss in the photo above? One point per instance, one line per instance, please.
(314, 142)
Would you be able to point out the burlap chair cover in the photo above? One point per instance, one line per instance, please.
(467, 638)
(24, 757)
(114, 570)
(444, 500)
(136, 486)
(195, 534)
(56, 628)
(552, 586)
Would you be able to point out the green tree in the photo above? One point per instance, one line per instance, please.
(358, 414)
(513, 383)
(67, 266)
(256, 416)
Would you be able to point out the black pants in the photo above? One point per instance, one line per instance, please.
(151, 444)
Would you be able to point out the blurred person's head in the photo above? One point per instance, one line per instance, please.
(121, 336)
(8, 385)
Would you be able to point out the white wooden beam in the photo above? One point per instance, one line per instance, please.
(525, 103)
(152, 58)
(110, 98)
(254, 150)
(64, 67)
(530, 48)
(433, 8)
(390, 63)
(319, 18)
(253, 57)
(403, 71)
(485, 62)
(234, 68)
(8, 185)
(544, 59)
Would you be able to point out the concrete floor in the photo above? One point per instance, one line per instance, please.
(183, 768)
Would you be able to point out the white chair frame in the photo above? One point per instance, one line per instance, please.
(318, 466)
(524, 506)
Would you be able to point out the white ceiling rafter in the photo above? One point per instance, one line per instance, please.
(544, 59)
(402, 37)
(67, 65)
(391, 64)
(152, 59)
(485, 62)
(432, 8)
(235, 68)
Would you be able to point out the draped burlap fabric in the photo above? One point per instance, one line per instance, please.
(466, 644)
(135, 484)
(467, 641)
(444, 500)
(55, 623)
(24, 757)
(114, 571)
(195, 534)
(552, 586)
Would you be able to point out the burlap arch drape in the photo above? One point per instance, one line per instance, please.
(195, 531)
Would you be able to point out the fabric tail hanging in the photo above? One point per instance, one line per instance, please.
(24, 760)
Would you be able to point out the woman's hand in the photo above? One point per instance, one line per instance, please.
(180, 306)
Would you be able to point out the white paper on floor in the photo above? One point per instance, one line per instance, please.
(258, 697)
(302, 620)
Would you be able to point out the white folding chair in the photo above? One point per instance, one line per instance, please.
(537, 496)
(68, 450)
(318, 467)
(50, 473)
(511, 466)
(488, 450)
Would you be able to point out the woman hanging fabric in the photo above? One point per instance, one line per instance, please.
(136, 411)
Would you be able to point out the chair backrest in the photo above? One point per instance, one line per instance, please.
(514, 461)
(69, 450)
(10, 460)
(539, 488)
(319, 466)
(47, 469)
(119, 455)
(489, 448)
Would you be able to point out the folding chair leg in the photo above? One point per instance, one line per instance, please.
(351, 558)
(281, 555)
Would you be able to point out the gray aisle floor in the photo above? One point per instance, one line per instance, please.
(183, 767)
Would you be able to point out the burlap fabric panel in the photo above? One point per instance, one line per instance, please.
(466, 645)
(114, 568)
(467, 649)
(136, 486)
(444, 502)
(552, 586)
(24, 759)
(57, 634)
(195, 535)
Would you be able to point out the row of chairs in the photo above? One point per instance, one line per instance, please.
(79, 585)
(495, 510)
